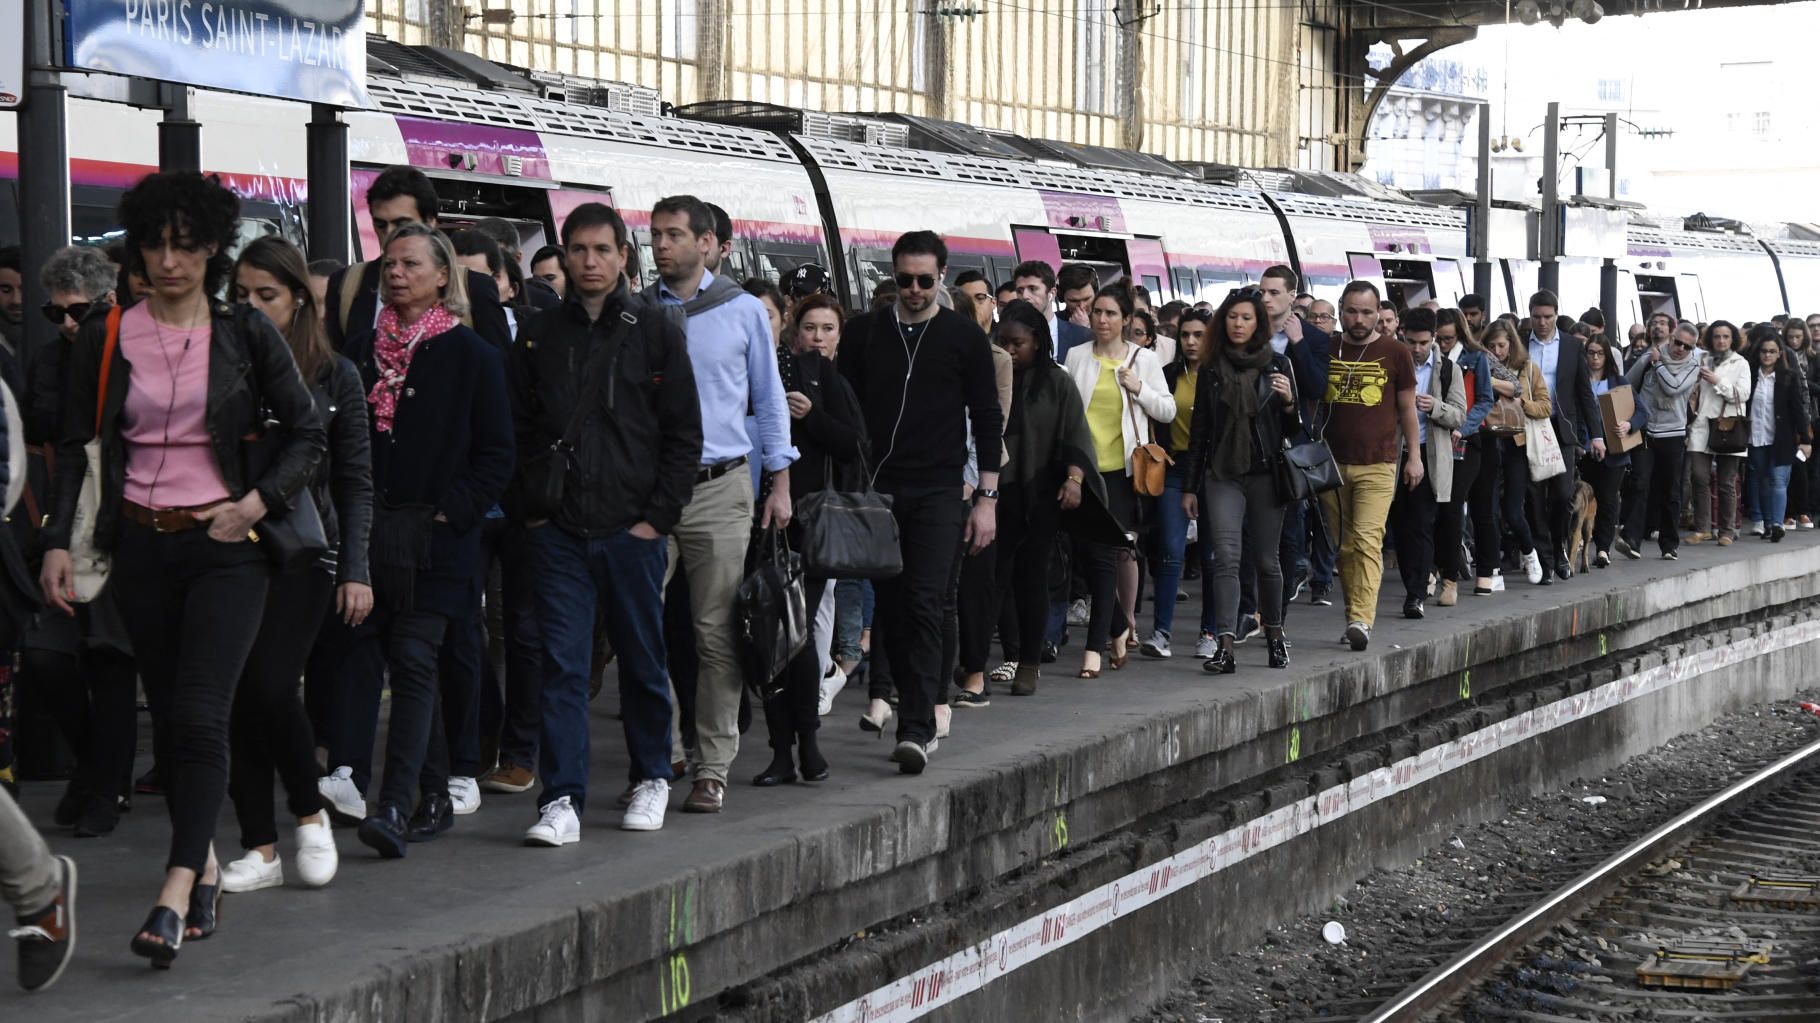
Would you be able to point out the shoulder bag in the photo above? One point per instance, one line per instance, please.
(849, 534)
(1543, 450)
(1307, 469)
(89, 564)
(543, 476)
(771, 612)
(1728, 435)
(296, 537)
(1149, 462)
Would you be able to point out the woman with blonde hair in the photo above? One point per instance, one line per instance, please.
(1513, 375)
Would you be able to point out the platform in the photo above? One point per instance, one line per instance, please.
(633, 926)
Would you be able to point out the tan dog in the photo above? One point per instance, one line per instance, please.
(1580, 528)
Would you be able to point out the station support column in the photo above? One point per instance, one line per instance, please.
(328, 184)
(1548, 271)
(179, 134)
(44, 171)
(1481, 216)
(1608, 271)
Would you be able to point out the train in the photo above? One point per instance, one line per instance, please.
(836, 190)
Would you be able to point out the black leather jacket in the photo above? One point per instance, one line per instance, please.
(343, 484)
(250, 366)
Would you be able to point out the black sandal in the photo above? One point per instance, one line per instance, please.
(205, 910)
(163, 924)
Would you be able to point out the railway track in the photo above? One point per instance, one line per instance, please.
(1689, 888)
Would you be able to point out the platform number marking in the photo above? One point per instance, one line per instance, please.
(1058, 832)
(673, 987)
(1295, 744)
(1466, 673)
(1172, 744)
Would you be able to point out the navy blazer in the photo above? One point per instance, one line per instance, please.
(1310, 358)
(1071, 335)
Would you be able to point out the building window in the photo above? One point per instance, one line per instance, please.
(1611, 90)
(414, 12)
(1095, 57)
(565, 13)
(676, 29)
(921, 24)
(1759, 124)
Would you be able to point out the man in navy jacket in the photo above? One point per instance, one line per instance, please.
(1035, 283)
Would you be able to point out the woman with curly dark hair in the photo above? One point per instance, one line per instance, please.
(173, 389)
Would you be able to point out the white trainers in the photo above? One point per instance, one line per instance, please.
(1206, 646)
(343, 796)
(944, 719)
(649, 800)
(1157, 645)
(1497, 581)
(1756, 529)
(557, 825)
(832, 683)
(317, 858)
(251, 872)
(1532, 568)
(464, 793)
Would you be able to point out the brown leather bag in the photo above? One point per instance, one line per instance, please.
(1149, 462)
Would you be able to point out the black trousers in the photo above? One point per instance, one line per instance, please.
(270, 728)
(1606, 480)
(1412, 521)
(417, 752)
(511, 694)
(909, 616)
(978, 604)
(1450, 519)
(1552, 501)
(344, 684)
(1516, 494)
(1483, 502)
(1027, 522)
(793, 716)
(1657, 469)
(193, 608)
(90, 694)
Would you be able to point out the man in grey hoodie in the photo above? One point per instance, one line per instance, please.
(1664, 382)
(735, 365)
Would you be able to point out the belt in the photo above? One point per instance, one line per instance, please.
(719, 469)
(163, 520)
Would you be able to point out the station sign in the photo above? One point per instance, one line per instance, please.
(12, 53)
(308, 50)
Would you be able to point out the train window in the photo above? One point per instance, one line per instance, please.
(777, 260)
(1408, 282)
(1216, 283)
(1185, 287)
(870, 267)
(1154, 285)
(1657, 295)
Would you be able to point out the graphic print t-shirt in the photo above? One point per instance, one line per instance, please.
(1362, 387)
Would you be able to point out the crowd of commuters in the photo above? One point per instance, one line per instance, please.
(269, 491)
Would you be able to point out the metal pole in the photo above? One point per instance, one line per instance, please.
(179, 136)
(1549, 272)
(1481, 214)
(328, 184)
(44, 178)
(1608, 272)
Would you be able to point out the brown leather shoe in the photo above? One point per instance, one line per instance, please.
(705, 797)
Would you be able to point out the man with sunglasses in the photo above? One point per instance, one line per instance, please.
(1664, 382)
(924, 377)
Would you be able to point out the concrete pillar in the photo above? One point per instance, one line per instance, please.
(179, 135)
(44, 173)
(328, 184)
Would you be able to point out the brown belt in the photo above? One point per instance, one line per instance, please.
(163, 520)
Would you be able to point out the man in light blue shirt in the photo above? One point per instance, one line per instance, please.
(735, 366)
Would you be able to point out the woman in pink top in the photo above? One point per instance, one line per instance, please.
(172, 403)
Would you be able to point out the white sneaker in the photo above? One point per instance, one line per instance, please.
(649, 800)
(558, 825)
(465, 794)
(251, 872)
(1756, 529)
(342, 795)
(317, 857)
(1532, 568)
(1156, 646)
(1080, 611)
(1497, 581)
(832, 683)
(944, 719)
(1206, 646)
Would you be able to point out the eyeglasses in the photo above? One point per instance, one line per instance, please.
(922, 282)
(75, 311)
(1321, 318)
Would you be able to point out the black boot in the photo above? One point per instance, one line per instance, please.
(809, 755)
(1222, 662)
(783, 736)
(1279, 649)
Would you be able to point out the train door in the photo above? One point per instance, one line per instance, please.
(1037, 243)
(1450, 281)
(1366, 267)
(1657, 294)
(1693, 297)
(1149, 267)
(1627, 300)
(1409, 282)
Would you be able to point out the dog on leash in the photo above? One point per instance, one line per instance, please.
(1580, 528)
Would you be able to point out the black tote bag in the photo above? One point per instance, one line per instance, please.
(849, 534)
(771, 611)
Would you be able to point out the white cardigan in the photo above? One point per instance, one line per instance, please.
(1729, 397)
(1153, 398)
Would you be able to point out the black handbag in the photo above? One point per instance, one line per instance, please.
(771, 612)
(542, 477)
(849, 534)
(296, 537)
(1728, 435)
(1307, 469)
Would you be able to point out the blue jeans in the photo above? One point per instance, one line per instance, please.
(1769, 486)
(851, 600)
(625, 576)
(1172, 539)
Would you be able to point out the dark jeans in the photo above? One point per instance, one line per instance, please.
(1553, 504)
(930, 521)
(978, 607)
(511, 693)
(1289, 547)
(1483, 502)
(1412, 524)
(343, 688)
(416, 746)
(1027, 523)
(1606, 480)
(271, 730)
(1657, 465)
(623, 577)
(90, 694)
(1516, 494)
(459, 667)
(192, 607)
(1450, 519)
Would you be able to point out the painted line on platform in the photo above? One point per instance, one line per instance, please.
(975, 966)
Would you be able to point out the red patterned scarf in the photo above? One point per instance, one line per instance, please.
(393, 350)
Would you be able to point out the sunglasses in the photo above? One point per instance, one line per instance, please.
(1248, 292)
(75, 311)
(1680, 346)
(922, 282)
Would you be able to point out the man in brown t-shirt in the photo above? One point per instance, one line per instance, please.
(1371, 396)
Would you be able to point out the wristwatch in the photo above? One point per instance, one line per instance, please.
(984, 492)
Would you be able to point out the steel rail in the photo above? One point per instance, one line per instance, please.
(1458, 974)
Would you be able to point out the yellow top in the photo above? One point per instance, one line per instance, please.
(1104, 410)
(1184, 411)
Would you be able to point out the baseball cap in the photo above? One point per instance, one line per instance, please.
(808, 279)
